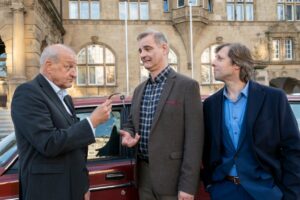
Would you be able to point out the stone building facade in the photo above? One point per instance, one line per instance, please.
(105, 42)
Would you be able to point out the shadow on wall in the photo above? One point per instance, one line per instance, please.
(288, 84)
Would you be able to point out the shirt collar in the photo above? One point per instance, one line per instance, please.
(161, 77)
(244, 92)
(60, 92)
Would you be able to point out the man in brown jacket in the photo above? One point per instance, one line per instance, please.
(166, 125)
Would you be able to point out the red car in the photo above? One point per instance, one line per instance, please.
(111, 166)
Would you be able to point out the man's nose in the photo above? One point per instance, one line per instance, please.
(142, 54)
(74, 72)
(213, 63)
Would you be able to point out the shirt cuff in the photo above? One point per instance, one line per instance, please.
(91, 125)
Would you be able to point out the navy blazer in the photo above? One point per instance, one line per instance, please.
(274, 132)
(51, 144)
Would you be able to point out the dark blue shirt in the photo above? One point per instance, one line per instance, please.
(150, 99)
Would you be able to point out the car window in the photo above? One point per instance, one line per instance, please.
(8, 146)
(296, 109)
(107, 143)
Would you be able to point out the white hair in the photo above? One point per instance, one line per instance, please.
(52, 53)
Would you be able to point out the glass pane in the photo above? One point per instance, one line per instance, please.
(166, 5)
(81, 75)
(99, 75)
(144, 11)
(275, 48)
(109, 57)
(172, 57)
(289, 12)
(288, 49)
(298, 12)
(84, 10)
(240, 0)
(133, 11)
(7, 148)
(296, 109)
(106, 135)
(95, 54)
(92, 80)
(3, 69)
(289, 0)
(212, 52)
(230, 0)
(280, 12)
(205, 74)
(81, 57)
(122, 10)
(95, 10)
(144, 75)
(174, 67)
(205, 56)
(249, 12)
(230, 12)
(110, 75)
(239, 12)
(193, 2)
(280, 1)
(180, 3)
(73, 10)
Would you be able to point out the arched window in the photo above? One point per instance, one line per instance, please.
(173, 62)
(96, 66)
(207, 75)
(3, 56)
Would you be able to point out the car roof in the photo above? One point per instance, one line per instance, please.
(97, 100)
(80, 102)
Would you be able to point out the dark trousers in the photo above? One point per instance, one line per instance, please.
(146, 191)
(227, 190)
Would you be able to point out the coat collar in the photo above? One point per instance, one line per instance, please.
(255, 101)
(49, 91)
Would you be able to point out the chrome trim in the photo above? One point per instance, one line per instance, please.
(111, 187)
(13, 199)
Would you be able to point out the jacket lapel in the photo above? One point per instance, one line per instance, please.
(255, 100)
(164, 95)
(218, 114)
(48, 90)
(137, 105)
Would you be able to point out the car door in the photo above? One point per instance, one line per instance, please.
(111, 166)
(9, 183)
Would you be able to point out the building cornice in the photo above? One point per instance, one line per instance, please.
(51, 9)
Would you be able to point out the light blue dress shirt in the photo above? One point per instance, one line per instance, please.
(234, 114)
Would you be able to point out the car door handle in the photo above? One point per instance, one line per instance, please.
(114, 176)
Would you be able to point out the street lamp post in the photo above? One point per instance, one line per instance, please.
(126, 49)
(191, 38)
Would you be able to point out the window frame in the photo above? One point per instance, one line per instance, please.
(287, 10)
(205, 62)
(238, 10)
(139, 15)
(89, 11)
(101, 68)
(282, 49)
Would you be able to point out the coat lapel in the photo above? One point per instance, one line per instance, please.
(48, 90)
(255, 101)
(163, 98)
(218, 117)
(137, 105)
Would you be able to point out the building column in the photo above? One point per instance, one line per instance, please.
(18, 75)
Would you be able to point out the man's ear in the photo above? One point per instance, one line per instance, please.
(165, 48)
(48, 67)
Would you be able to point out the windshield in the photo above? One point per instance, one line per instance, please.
(296, 109)
(8, 147)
